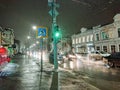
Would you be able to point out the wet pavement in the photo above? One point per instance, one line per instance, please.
(82, 74)
(95, 73)
(28, 76)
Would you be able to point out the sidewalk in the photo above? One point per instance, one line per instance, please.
(64, 80)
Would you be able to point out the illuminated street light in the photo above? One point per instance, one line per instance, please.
(28, 37)
(34, 44)
(34, 27)
(37, 42)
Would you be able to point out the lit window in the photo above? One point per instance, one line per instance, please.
(73, 41)
(83, 39)
(87, 38)
(79, 40)
(91, 37)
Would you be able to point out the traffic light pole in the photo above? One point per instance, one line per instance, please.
(53, 30)
(54, 13)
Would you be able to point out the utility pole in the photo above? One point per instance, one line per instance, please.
(53, 12)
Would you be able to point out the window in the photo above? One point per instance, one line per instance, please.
(119, 48)
(113, 48)
(118, 32)
(111, 34)
(83, 39)
(97, 37)
(87, 39)
(98, 48)
(79, 40)
(91, 37)
(76, 40)
(104, 35)
(73, 41)
(105, 48)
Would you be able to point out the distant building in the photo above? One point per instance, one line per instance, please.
(105, 38)
(6, 37)
(83, 42)
(16, 46)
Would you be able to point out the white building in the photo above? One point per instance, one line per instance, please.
(83, 42)
(105, 38)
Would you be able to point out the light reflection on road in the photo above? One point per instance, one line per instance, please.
(96, 73)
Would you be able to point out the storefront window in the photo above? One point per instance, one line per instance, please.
(105, 48)
(98, 48)
(113, 48)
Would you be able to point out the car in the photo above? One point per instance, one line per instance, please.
(59, 57)
(98, 55)
(113, 60)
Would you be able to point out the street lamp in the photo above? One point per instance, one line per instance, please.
(34, 27)
(28, 37)
(37, 42)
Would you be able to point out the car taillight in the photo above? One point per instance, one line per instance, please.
(3, 50)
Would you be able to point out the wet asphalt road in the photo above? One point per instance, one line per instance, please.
(102, 77)
(27, 77)
(96, 73)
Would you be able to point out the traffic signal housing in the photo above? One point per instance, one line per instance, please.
(57, 33)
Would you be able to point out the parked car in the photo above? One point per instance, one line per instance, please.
(98, 55)
(113, 60)
(59, 57)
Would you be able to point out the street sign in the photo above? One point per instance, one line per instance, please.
(50, 1)
(55, 12)
(42, 32)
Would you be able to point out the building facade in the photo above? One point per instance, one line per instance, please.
(103, 38)
(83, 42)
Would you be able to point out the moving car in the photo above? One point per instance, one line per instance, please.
(4, 56)
(98, 55)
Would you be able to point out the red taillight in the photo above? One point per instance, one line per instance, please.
(3, 50)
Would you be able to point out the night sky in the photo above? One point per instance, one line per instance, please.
(21, 15)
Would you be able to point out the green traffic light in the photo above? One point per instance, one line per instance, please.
(57, 34)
